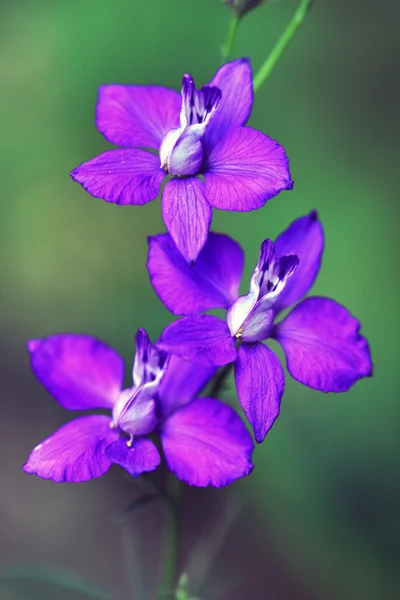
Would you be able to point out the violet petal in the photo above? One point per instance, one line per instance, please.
(305, 238)
(124, 176)
(76, 452)
(322, 345)
(234, 79)
(141, 457)
(260, 383)
(259, 323)
(182, 383)
(204, 338)
(79, 371)
(135, 115)
(187, 215)
(206, 443)
(212, 282)
(135, 412)
(245, 170)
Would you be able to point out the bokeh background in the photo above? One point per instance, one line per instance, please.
(319, 517)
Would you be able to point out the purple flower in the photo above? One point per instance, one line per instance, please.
(204, 441)
(319, 336)
(200, 133)
(241, 7)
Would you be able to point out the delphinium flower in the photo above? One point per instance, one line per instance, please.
(210, 157)
(241, 7)
(319, 336)
(203, 440)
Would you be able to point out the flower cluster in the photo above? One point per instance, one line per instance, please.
(199, 146)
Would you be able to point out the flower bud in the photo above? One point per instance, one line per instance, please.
(241, 7)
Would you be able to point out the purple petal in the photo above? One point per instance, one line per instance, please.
(322, 345)
(140, 457)
(206, 443)
(135, 410)
(235, 81)
(305, 238)
(79, 371)
(259, 324)
(182, 383)
(187, 215)
(212, 282)
(122, 176)
(187, 154)
(260, 383)
(134, 115)
(204, 338)
(245, 170)
(149, 364)
(76, 452)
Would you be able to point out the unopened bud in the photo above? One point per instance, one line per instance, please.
(241, 7)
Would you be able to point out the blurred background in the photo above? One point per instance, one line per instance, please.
(319, 517)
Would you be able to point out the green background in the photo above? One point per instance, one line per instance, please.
(319, 516)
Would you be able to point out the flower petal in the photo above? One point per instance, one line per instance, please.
(235, 81)
(123, 176)
(245, 170)
(76, 452)
(259, 323)
(206, 443)
(141, 457)
(204, 338)
(79, 371)
(182, 383)
(322, 345)
(187, 215)
(134, 115)
(149, 364)
(187, 154)
(135, 411)
(305, 238)
(260, 383)
(212, 282)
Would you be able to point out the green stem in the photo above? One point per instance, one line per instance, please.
(227, 48)
(277, 51)
(171, 540)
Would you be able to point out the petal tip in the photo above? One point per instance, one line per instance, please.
(32, 345)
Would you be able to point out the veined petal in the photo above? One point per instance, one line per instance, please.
(79, 371)
(187, 215)
(76, 452)
(212, 282)
(140, 457)
(135, 115)
(149, 364)
(259, 323)
(124, 176)
(260, 383)
(245, 170)
(234, 79)
(305, 238)
(182, 383)
(322, 345)
(240, 310)
(186, 157)
(204, 338)
(135, 412)
(206, 443)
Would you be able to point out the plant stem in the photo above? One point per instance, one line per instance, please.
(233, 25)
(275, 54)
(171, 540)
